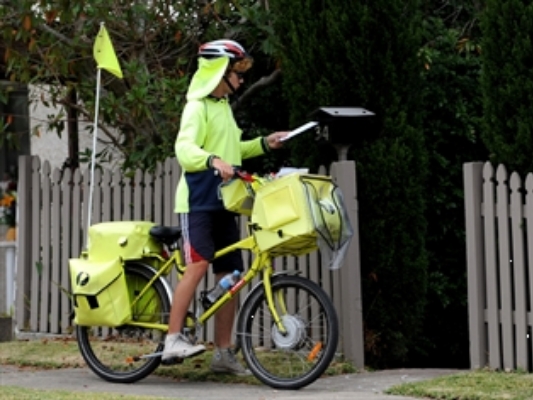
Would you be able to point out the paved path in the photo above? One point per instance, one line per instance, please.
(361, 386)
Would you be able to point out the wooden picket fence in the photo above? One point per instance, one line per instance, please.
(53, 228)
(499, 230)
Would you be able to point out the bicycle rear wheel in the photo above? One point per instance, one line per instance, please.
(112, 353)
(298, 357)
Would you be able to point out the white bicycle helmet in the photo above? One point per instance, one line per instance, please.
(239, 59)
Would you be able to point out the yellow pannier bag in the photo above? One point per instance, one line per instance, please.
(146, 308)
(128, 240)
(237, 196)
(293, 214)
(100, 293)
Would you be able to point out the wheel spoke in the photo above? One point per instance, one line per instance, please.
(299, 354)
(114, 353)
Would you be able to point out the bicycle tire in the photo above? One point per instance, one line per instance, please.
(303, 354)
(110, 352)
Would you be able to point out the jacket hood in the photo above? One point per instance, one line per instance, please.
(207, 77)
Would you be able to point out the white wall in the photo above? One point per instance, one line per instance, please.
(46, 143)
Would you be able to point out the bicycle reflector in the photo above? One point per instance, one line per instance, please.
(314, 351)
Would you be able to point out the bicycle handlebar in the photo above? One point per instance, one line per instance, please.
(239, 174)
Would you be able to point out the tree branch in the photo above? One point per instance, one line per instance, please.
(56, 34)
(101, 127)
(261, 83)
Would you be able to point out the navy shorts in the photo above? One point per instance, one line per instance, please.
(206, 232)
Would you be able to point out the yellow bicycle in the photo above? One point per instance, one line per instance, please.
(287, 327)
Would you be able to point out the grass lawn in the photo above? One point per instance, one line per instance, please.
(17, 393)
(475, 385)
(63, 353)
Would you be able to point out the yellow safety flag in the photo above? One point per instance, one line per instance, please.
(104, 53)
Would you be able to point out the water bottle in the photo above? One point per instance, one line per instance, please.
(225, 284)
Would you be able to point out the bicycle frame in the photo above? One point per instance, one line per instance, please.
(262, 263)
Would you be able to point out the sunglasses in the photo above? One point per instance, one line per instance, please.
(242, 65)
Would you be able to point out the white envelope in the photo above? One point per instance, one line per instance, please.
(299, 130)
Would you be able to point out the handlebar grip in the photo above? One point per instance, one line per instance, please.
(238, 174)
(235, 172)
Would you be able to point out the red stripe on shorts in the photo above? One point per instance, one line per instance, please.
(191, 256)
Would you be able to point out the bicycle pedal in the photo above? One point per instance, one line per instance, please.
(172, 361)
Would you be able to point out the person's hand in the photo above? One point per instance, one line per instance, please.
(273, 140)
(224, 169)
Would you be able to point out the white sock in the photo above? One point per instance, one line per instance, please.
(172, 337)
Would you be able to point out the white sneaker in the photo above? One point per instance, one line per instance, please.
(224, 360)
(177, 345)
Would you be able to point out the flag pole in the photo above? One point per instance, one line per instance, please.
(105, 57)
(93, 155)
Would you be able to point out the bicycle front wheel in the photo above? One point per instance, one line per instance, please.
(297, 357)
(114, 354)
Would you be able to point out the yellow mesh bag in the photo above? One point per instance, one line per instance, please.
(147, 308)
(100, 293)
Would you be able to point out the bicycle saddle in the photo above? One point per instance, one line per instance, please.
(166, 234)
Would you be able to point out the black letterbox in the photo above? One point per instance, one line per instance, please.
(343, 125)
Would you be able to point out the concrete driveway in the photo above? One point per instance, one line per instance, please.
(360, 386)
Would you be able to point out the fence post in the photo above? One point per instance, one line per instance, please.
(351, 314)
(473, 189)
(10, 250)
(23, 240)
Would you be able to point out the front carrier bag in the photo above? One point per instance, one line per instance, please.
(99, 292)
(297, 213)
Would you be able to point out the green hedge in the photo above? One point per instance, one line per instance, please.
(365, 54)
(507, 82)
